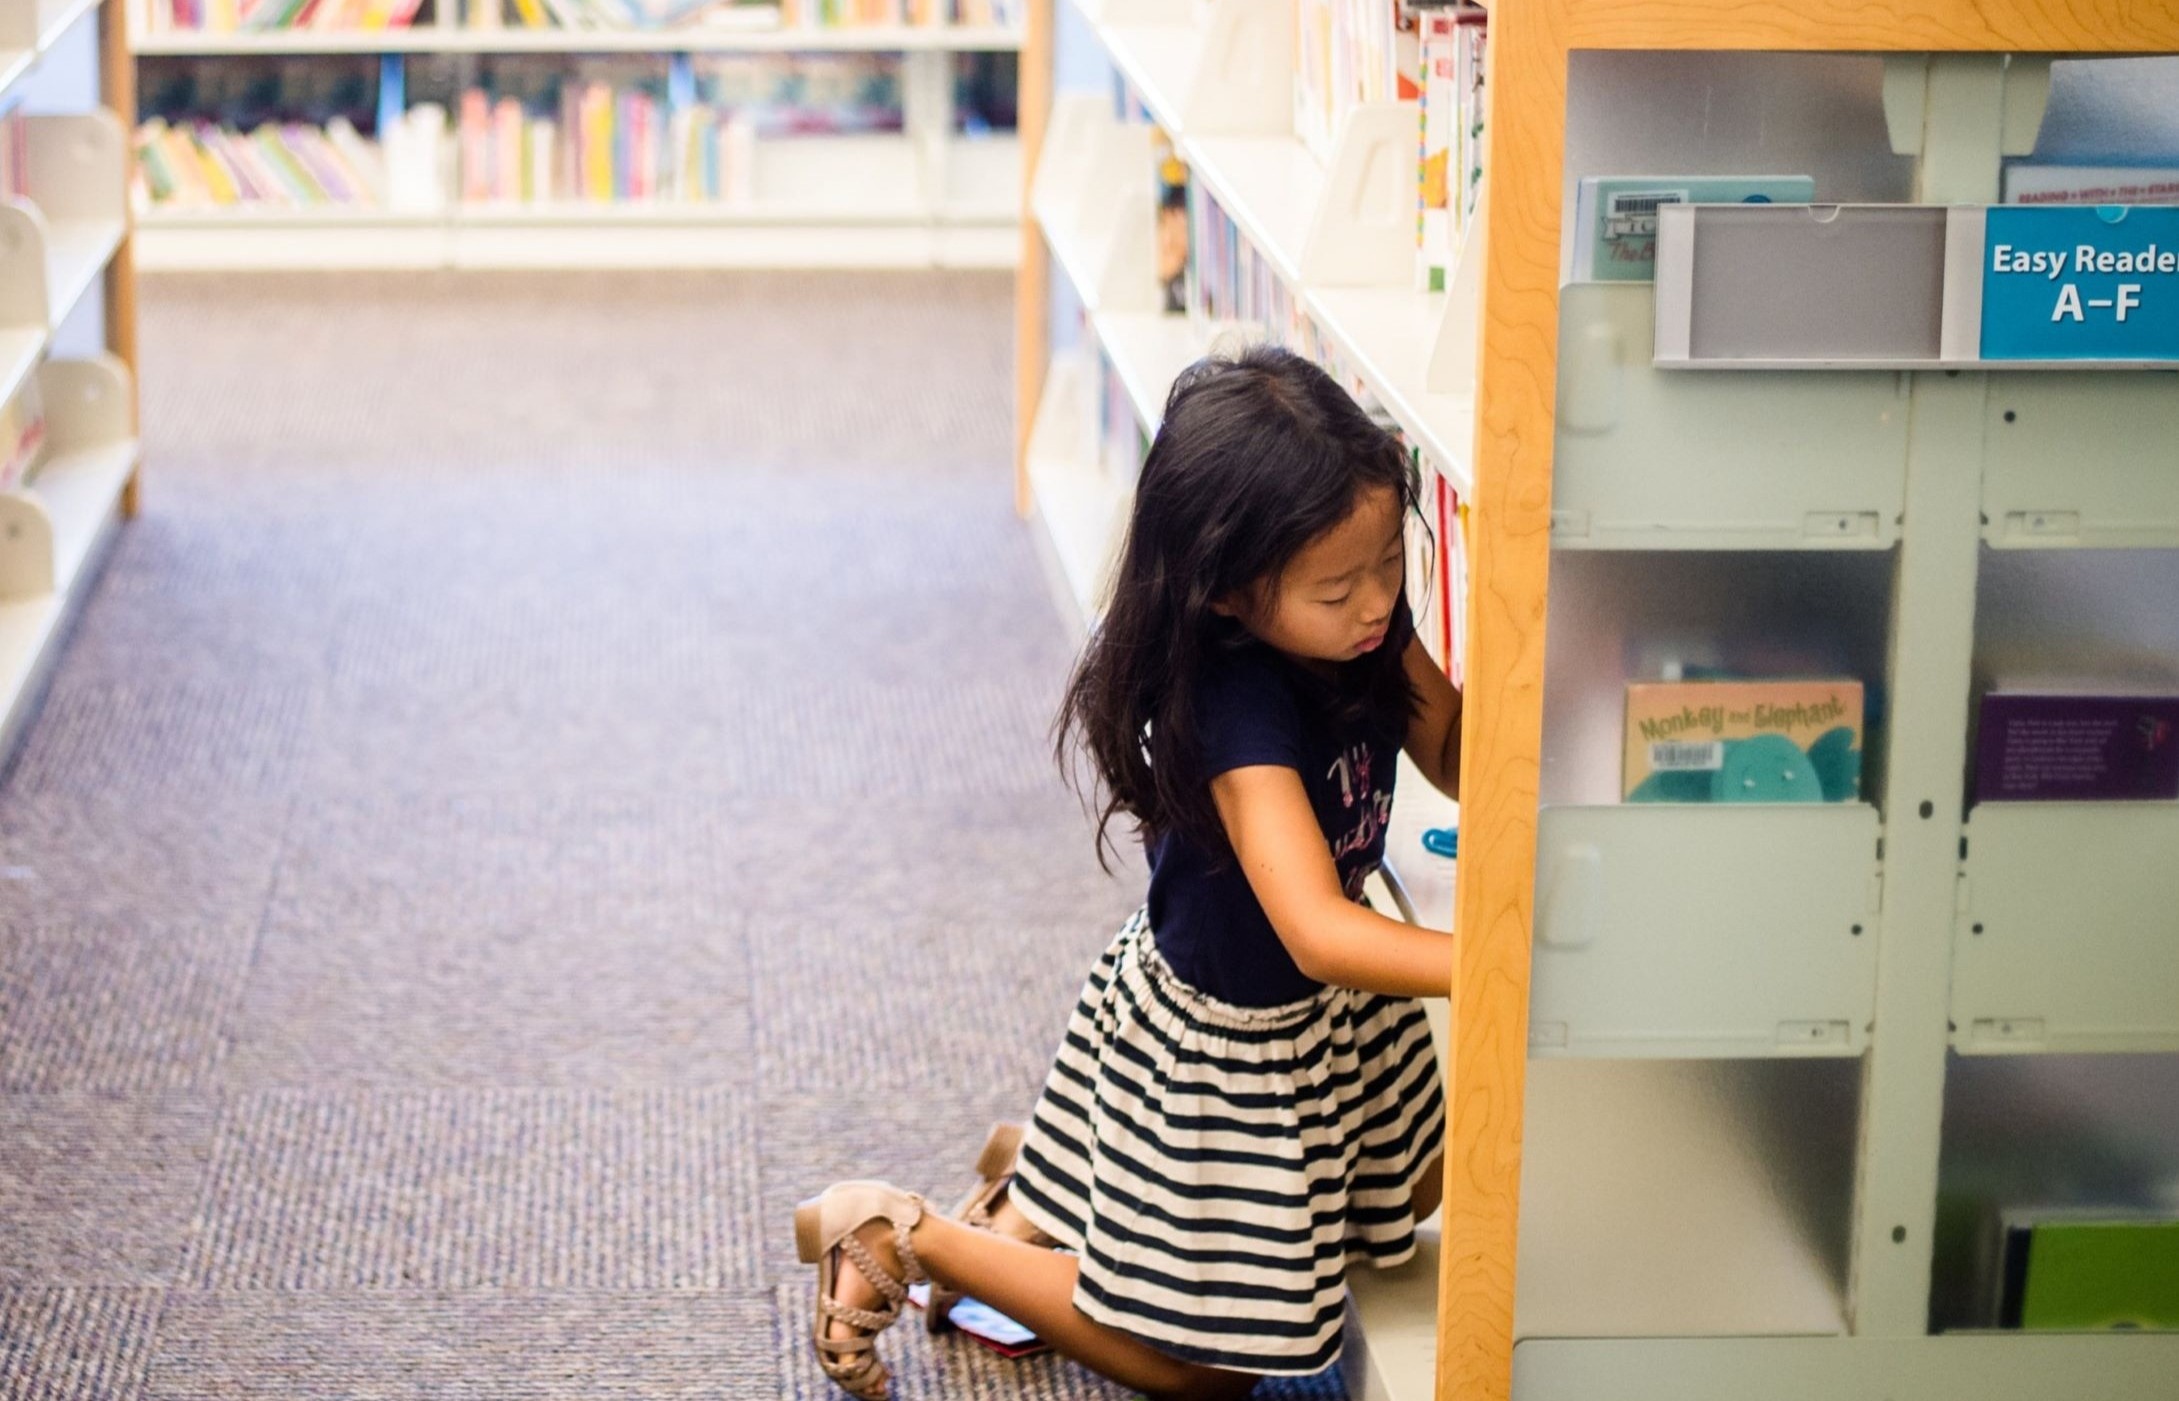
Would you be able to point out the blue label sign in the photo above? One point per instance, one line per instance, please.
(2080, 283)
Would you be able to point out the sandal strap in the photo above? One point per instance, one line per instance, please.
(879, 1277)
(876, 1320)
(852, 1363)
(910, 1266)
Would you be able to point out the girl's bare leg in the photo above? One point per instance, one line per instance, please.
(1035, 1287)
(1429, 1190)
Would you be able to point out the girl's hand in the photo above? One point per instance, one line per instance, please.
(1289, 867)
(1433, 736)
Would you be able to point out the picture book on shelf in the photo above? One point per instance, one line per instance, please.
(2086, 184)
(1170, 188)
(2082, 1270)
(1743, 742)
(1348, 52)
(1451, 45)
(1615, 216)
(22, 435)
(2047, 747)
(1437, 567)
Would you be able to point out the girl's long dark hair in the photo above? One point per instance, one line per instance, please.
(1259, 454)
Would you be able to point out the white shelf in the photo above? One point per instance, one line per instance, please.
(515, 214)
(76, 252)
(1654, 459)
(1388, 335)
(1653, 1204)
(2081, 460)
(1093, 184)
(822, 202)
(57, 17)
(58, 523)
(431, 39)
(1270, 186)
(285, 217)
(1148, 350)
(1160, 62)
(80, 491)
(1704, 930)
(2008, 1366)
(21, 349)
(1080, 508)
(173, 240)
(2065, 939)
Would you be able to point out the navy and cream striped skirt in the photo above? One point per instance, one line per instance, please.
(1217, 1168)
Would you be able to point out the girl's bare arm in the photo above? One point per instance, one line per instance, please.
(1433, 736)
(1330, 938)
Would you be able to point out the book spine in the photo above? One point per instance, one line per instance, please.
(364, 161)
(475, 155)
(305, 147)
(507, 149)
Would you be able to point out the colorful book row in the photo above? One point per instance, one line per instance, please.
(1451, 80)
(268, 16)
(22, 436)
(603, 147)
(284, 164)
(1348, 52)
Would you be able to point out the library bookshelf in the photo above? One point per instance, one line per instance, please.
(65, 234)
(929, 195)
(1700, 1060)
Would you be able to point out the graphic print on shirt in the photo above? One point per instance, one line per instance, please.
(1371, 808)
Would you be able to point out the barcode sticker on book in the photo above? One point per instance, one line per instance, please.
(1684, 756)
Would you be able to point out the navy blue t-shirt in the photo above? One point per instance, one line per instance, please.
(1256, 707)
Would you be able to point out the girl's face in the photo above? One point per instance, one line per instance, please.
(1334, 601)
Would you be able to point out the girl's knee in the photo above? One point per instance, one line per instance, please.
(1197, 1383)
(1429, 1190)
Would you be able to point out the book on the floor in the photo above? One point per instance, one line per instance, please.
(986, 1325)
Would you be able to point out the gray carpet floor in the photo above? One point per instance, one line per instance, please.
(557, 773)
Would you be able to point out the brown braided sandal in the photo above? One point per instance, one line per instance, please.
(994, 1173)
(824, 1231)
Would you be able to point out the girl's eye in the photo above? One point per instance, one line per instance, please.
(1338, 602)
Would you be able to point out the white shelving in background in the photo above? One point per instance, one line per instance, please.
(1340, 234)
(926, 196)
(453, 39)
(57, 241)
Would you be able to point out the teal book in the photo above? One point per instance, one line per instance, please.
(1615, 216)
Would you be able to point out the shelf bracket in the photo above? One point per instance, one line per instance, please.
(2025, 97)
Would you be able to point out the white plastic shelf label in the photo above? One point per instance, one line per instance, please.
(1910, 287)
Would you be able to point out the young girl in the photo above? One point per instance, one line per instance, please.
(1246, 1100)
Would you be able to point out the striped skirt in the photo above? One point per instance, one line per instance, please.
(1218, 1167)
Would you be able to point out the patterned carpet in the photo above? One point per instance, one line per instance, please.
(557, 773)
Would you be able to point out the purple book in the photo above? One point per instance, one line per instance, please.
(2054, 748)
